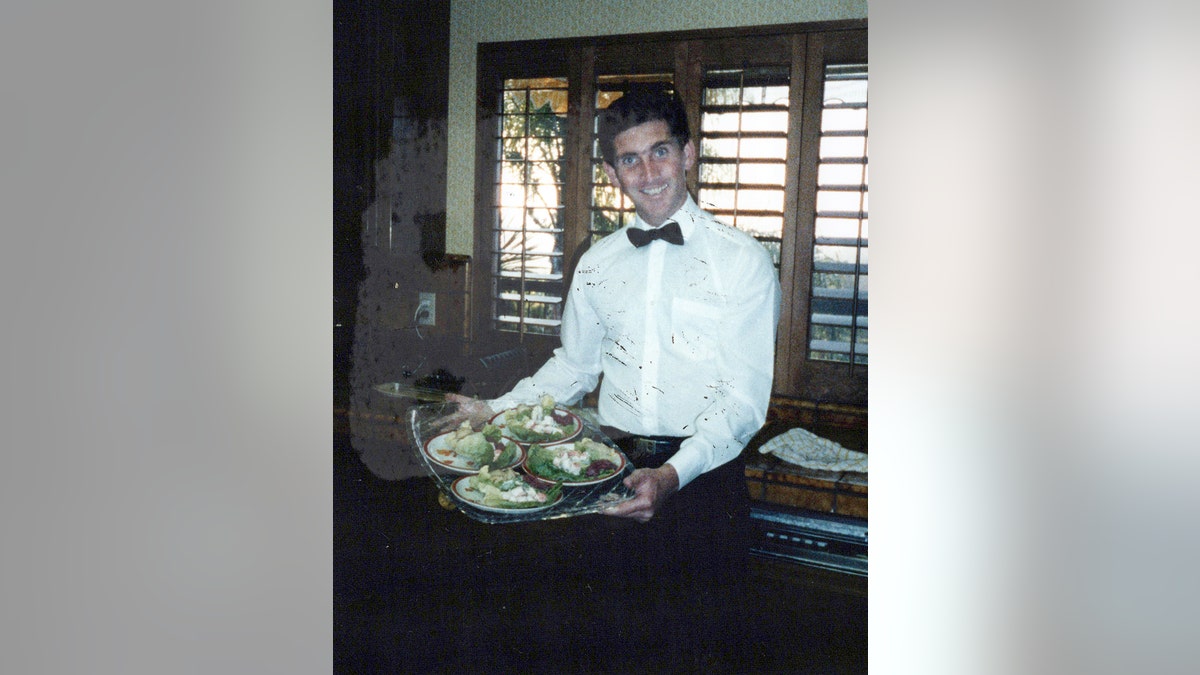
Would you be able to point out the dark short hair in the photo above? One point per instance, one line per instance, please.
(642, 103)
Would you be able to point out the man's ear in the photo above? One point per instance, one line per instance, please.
(612, 174)
(689, 154)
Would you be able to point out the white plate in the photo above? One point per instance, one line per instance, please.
(576, 428)
(462, 490)
(438, 452)
(581, 480)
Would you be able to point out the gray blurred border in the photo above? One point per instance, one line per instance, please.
(167, 282)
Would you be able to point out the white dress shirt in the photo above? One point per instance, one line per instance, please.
(683, 335)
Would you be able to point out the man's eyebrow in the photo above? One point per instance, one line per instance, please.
(665, 141)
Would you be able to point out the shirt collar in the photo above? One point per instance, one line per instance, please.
(686, 216)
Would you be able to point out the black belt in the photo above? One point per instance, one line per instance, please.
(644, 450)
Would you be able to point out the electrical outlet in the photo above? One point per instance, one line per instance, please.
(426, 309)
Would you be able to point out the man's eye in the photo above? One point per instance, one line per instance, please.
(628, 161)
(662, 151)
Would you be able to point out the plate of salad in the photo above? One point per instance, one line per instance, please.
(506, 491)
(542, 422)
(466, 450)
(583, 462)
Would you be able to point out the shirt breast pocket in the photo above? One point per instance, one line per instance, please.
(695, 329)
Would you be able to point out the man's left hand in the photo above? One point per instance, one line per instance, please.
(653, 488)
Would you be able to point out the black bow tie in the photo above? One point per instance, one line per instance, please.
(669, 233)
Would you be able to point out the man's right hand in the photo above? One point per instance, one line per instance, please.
(473, 409)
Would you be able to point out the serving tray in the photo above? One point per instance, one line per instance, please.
(432, 419)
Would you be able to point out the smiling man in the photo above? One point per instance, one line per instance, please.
(651, 167)
(674, 317)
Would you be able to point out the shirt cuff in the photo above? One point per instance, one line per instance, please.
(687, 465)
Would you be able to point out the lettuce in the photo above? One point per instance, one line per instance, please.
(481, 451)
(515, 423)
(604, 461)
(492, 485)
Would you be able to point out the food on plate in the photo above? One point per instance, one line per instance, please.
(507, 489)
(540, 422)
(582, 461)
(479, 449)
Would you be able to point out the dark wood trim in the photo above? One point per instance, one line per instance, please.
(689, 71)
(791, 266)
(802, 412)
(691, 34)
(581, 100)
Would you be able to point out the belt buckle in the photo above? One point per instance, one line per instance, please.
(644, 446)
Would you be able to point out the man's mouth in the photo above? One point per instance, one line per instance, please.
(653, 192)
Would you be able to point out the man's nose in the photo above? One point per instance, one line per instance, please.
(647, 168)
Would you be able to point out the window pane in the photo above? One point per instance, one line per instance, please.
(728, 121)
(720, 200)
(839, 228)
(845, 202)
(775, 121)
(761, 226)
(778, 95)
(760, 200)
(843, 146)
(842, 174)
(745, 148)
(714, 172)
(719, 147)
(512, 172)
(845, 119)
(767, 174)
(514, 149)
(604, 222)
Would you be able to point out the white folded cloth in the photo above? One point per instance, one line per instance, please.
(802, 447)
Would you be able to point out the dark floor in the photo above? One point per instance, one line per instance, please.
(418, 588)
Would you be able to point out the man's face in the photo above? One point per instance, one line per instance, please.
(650, 169)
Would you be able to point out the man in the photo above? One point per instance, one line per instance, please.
(683, 334)
(682, 328)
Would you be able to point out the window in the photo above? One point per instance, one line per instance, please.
(779, 118)
(838, 308)
(743, 149)
(527, 235)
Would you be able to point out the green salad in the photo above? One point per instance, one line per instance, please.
(507, 489)
(483, 448)
(585, 460)
(540, 423)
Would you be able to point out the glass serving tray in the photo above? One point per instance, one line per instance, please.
(431, 420)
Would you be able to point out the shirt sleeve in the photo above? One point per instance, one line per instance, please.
(574, 368)
(747, 368)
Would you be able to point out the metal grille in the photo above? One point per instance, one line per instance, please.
(838, 317)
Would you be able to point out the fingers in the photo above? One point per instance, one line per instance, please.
(645, 501)
(638, 508)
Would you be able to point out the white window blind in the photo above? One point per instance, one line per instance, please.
(743, 149)
(838, 317)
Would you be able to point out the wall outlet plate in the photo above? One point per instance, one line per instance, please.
(426, 309)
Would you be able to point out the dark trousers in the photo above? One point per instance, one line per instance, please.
(677, 581)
